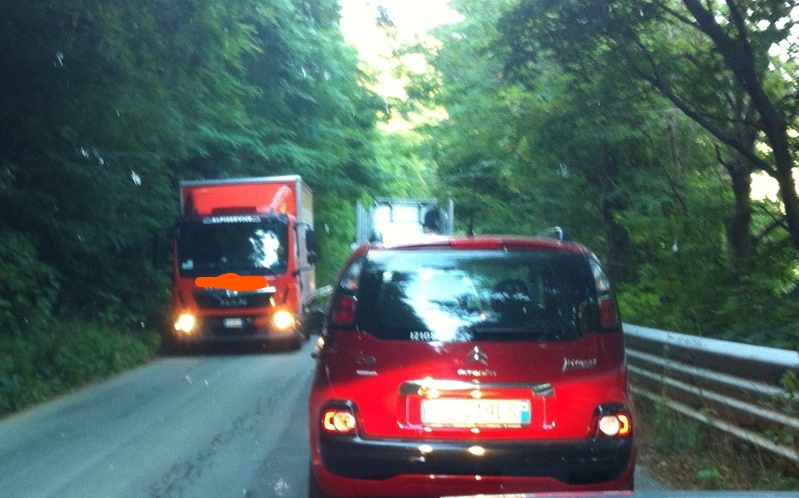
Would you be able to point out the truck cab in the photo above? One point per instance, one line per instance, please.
(243, 262)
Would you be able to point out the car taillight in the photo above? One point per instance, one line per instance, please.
(338, 420)
(612, 420)
(607, 313)
(343, 310)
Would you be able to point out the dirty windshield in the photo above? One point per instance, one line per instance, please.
(242, 245)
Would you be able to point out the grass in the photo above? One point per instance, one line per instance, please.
(687, 455)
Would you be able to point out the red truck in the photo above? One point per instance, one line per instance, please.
(243, 262)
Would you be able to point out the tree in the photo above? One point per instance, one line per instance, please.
(108, 104)
(712, 60)
(539, 147)
(473, 145)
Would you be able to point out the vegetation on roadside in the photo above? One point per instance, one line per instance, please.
(688, 455)
(63, 356)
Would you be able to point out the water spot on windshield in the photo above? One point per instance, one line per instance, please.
(281, 487)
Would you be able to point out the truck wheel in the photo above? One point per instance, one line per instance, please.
(168, 344)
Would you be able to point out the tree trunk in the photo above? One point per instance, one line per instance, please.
(739, 238)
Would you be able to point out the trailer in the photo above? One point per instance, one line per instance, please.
(399, 220)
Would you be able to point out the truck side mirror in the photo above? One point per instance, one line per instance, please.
(310, 246)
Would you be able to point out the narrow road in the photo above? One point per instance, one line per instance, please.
(194, 426)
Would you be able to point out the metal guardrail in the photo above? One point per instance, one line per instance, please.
(736, 388)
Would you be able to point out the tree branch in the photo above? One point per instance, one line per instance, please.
(654, 80)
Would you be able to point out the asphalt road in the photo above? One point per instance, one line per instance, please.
(195, 426)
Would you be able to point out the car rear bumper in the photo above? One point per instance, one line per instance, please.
(433, 485)
(573, 462)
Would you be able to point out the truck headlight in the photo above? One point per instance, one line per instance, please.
(283, 320)
(185, 323)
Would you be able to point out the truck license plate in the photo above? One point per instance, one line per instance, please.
(233, 323)
(474, 412)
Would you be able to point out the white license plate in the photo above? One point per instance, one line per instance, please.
(233, 323)
(473, 412)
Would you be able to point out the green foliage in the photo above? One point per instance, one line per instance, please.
(402, 170)
(790, 383)
(44, 363)
(108, 105)
(475, 149)
(761, 308)
(687, 454)
(28, 288)
(112, 103)
(712, 61)
(335, 229)
(555, 116)
(676, 435)
(681, 279)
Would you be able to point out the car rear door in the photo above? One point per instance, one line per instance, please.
(472, 344)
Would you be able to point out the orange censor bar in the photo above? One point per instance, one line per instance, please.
(233, 282)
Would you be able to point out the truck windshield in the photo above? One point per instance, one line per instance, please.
(245, 245)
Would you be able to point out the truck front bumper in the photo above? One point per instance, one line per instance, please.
(210, 330)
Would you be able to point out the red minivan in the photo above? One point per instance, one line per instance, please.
(474, 365)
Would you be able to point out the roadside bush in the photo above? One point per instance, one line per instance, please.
(44, 363)
(28, 287)
(688, 455)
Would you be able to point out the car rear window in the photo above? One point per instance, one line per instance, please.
(452, 295)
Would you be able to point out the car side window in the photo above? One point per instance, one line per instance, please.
(602, 282)
(350, 278)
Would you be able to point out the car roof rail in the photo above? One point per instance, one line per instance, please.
(556, 233)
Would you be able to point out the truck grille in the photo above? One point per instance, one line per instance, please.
(222, 299)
